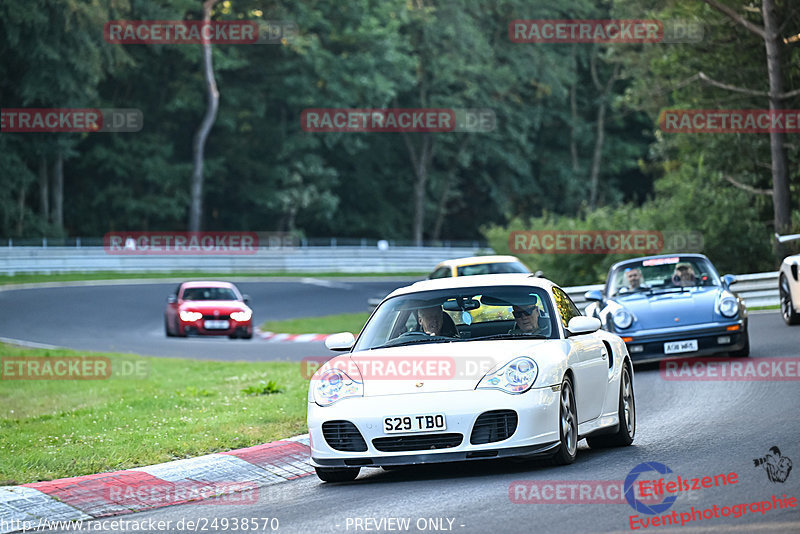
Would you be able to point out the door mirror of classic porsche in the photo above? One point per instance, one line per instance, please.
(172, 299)
(583, 325)
(728, 280)
(595, 295)
(340, 341)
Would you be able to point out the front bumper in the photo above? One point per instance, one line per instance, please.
(234, 327)
(648, 345)
(536, 433)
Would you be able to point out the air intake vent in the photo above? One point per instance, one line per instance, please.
(343, 436)
(496, 425)
(423, 442)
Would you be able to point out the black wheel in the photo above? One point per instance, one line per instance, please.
(178, 330)
(790, 317)
(567, 426)
(247, 336)
(627, 417)
(166, 328)
(337, 474)
(744, 352)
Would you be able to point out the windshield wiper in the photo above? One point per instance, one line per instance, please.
(415, 341)
(659, 290)
(511, 336)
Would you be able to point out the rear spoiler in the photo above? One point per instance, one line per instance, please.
(785, 238)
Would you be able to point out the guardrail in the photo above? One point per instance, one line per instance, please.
(758, 289)
(310, 259)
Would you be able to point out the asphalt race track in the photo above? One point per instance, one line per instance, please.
(81, 317)
(696, 428)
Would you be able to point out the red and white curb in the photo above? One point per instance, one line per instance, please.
(296, 338)
(128, 491)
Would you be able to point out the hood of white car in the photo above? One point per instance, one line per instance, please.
(439, 367)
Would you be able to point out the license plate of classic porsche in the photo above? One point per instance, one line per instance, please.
(675, 347)
(414, 423)
(216, 325)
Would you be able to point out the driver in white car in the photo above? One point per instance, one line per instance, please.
(527, 318)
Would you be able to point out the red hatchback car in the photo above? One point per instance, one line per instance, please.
(208, 309)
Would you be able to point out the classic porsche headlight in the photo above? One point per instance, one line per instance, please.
(190, 316)
(243, 315)
(334, 385)
(517, 376)
(728, 306)
(622, 318)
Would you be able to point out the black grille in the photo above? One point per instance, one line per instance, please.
(496, 425)
(343, 436)
(421, 442)
(218, 317)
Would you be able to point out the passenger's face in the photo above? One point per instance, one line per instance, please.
(527, 317)
(431, 320)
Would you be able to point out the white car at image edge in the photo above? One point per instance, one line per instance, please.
(789, 284)
(531, 376)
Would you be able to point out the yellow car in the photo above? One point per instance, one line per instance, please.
(478, 265)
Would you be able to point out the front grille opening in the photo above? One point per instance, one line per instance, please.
(418, 443)
(343, 436)
(492, 426)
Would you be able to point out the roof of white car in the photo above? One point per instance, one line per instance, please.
(508, 279)
(477, 260)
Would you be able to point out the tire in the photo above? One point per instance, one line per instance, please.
(247, 336)
(744, 352)
(166, 328)
(337, 474)
(790, 317)
(178, 332)
(567, 426)
(627, 417)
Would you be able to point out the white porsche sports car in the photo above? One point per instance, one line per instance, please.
(465, 368)
(789, 284)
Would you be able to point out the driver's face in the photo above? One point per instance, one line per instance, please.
(634, 278)
(527, 317)
(431, 320)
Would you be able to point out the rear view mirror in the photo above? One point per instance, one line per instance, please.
(728, 280)
(595, 295)
(172, 299)
(246, 299)
(461, 305)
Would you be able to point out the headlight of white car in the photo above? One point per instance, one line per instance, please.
(333, 385)
(190, 316)
(728, 306)
(243, 315)
(517, 376)
(622, 318)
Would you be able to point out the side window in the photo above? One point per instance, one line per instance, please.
(441, 272)
(566, 308)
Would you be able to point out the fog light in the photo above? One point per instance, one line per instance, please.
(723, 340)
(636, 348)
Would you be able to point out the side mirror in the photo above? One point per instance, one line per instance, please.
(341, 341)
(172, 299)
(595, 295)
(583, 325)
(246, 299)
(728, 280)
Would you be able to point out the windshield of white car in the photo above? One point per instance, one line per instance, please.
(460, 314)
(492, 268)
(659, 275)
(209, 293)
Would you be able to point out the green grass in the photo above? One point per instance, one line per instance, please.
(182, 408)
(112, 275)
(327, 324)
